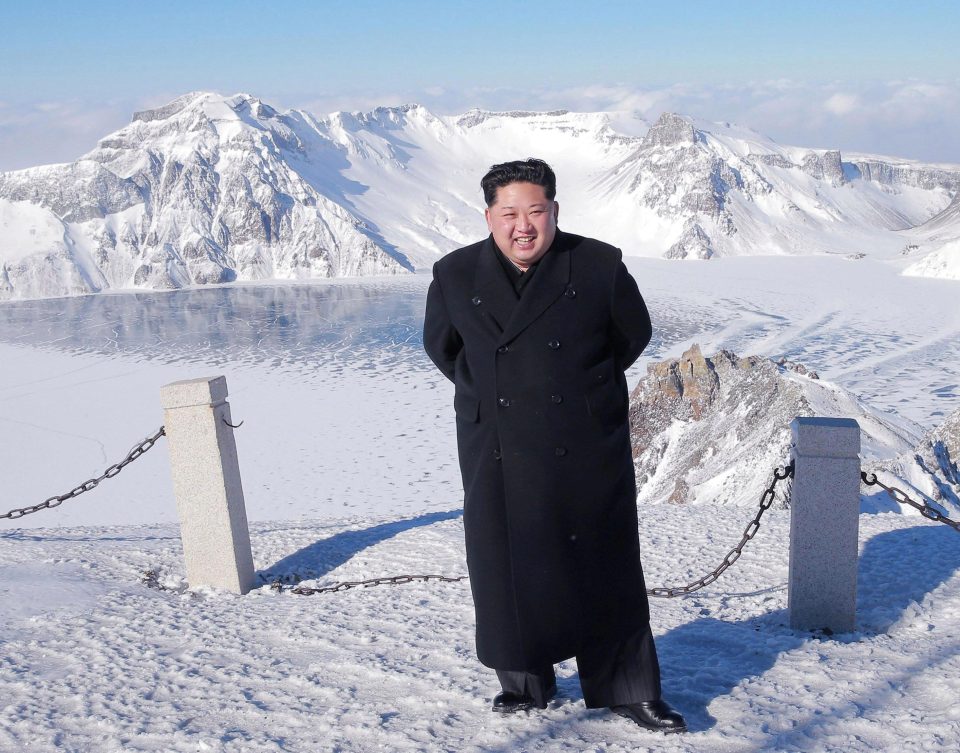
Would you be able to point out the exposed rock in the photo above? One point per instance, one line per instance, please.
(824, 166)
(773, 160)
(930, 470)
(917, 176)
(712, 429)
(797, 368)
(669, 130)
(693, 244)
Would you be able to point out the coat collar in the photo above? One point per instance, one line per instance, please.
(498, 298)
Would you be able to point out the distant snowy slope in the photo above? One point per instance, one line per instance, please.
(214, 189)
(415, 176)
(937, 244)
(695, 190)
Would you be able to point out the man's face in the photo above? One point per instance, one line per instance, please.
(523, 222)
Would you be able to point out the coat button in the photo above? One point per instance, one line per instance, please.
(476, 300)
(560, 452)
(570, 293)
(504, 403)
(554, 344)
(502, 349)
(496, 454)
(556, 399)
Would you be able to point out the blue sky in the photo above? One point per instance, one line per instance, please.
(866, 76)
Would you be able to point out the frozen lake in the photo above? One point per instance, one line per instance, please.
(356, 324)
(345, 414)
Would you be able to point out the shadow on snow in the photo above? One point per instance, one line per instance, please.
(320, 557)
(707, 658)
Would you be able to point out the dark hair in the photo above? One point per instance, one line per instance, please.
(532, 170)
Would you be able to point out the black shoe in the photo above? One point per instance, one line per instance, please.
(509, 703)
(655, 715)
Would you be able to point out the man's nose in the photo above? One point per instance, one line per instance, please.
(523, 222)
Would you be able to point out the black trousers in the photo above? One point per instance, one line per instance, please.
(611, 674)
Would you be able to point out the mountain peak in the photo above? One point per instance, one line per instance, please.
(671, 129)
(171, 108)
(209, 102)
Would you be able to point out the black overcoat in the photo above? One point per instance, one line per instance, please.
(549, 512)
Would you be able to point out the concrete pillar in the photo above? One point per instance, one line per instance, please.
(206, 484)
(824, 523)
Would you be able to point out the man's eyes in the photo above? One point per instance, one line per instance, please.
(511, 215)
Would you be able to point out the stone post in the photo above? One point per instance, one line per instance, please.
(824, 522)
(206, 484)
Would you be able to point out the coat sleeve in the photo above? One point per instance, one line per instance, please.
(441, 340)
(631, 327)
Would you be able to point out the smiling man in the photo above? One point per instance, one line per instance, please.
(535, 328)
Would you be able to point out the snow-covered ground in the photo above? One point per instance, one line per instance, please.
(348, 459)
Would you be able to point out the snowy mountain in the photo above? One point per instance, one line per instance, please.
(213, 189)
(696, 190)
(712, 429)
(199, 191)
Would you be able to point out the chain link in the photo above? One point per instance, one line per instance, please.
(766, 500)
(870, 479)
(346, 585)
(137, 450)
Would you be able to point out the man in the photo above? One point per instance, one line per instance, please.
(535, 327)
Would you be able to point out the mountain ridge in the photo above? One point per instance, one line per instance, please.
(211, 189)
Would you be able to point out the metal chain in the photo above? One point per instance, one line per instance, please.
(766, 500)
(89, 484)
(348, 584)
(870, 479)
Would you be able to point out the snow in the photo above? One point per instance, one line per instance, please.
(942, 262)
(348, 458)
(24, 227)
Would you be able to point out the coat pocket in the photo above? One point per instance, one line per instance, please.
(467, 407)
(606, 404)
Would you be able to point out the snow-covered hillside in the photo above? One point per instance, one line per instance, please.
(937, 244)
(709, 429)
(213, 189)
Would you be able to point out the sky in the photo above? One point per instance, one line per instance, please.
(880, 77)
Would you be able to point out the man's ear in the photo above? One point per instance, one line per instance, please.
(556, 210)
(486, 215)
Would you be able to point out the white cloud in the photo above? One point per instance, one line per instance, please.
(908, 118)
(842, 104)
(48, 132)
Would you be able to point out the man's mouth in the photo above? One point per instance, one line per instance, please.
(524, 240)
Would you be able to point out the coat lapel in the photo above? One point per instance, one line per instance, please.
(548, 284)
(496, 296)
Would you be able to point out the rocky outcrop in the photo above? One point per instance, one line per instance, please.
(712, 429)
(905, 174)
(694, 243)
(671, 130)
(824, 166)
(931, 470)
